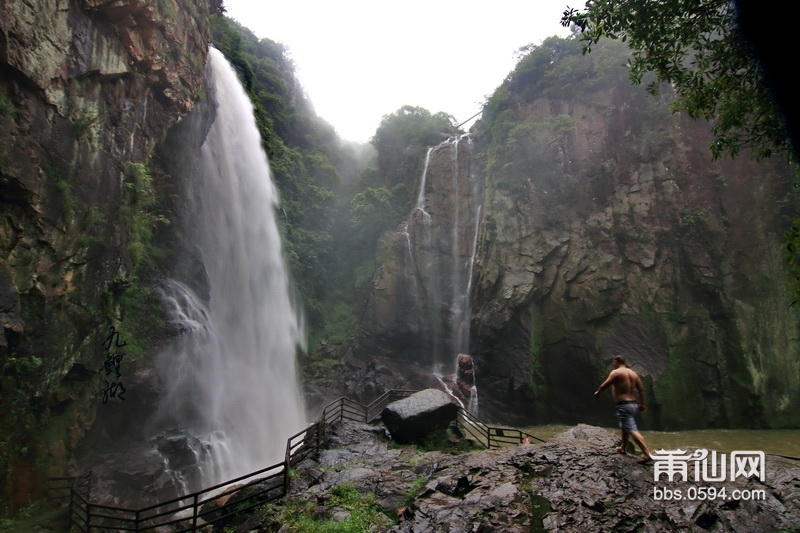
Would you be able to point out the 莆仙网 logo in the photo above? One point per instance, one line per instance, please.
(708, 467)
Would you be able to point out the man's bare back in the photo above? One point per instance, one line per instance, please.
(624, 382)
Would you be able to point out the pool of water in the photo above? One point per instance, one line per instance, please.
(777, 441)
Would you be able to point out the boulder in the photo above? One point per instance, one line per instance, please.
(412, 419)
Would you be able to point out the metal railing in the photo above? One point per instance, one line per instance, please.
(488, 436)
(58, 488)
(217, 504)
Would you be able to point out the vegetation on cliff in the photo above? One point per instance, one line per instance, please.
(634, 236)
(696, 48)
(519, 144)
(717, 57)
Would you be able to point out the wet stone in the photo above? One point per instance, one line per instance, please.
(572, 483)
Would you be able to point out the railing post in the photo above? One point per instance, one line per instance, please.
(320, 428)
(71, 499)
(194, 512)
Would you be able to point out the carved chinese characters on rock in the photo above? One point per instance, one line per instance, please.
(113, 367)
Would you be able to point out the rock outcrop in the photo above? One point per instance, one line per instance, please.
(88, 89)
(574, 482)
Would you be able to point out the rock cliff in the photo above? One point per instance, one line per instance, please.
(607, 228)
(622, 236)
(88, 89)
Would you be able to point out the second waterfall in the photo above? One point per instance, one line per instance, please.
(421, 295)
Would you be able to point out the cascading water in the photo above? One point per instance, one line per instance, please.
(448, 251)
(230, 390)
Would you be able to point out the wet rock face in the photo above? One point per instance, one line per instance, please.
(55, 42)
(574, 482)
(418, 297)
(628, 239)
(88, 88)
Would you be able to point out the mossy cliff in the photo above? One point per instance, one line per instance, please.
(609, 229)
(88, 89)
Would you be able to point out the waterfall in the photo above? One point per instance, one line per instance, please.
(229, 383)
(423, 180)
(444, 247)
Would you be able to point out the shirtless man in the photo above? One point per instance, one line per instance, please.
(623, 382)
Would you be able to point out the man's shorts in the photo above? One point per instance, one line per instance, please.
(625, 413)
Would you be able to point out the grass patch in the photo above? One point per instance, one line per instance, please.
(339, 324)
(86, 125)
(449, 441)
(64, 189)
(323, 366)
(415, 489)
(41, 514)
(345, 510)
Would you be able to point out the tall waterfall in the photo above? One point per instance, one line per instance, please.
(444, 229)
(230, 390)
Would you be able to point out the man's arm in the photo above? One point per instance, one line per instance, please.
(609, 380)
(640, 389)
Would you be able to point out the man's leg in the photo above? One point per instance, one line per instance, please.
(639, 440)
(625, 436)
(627, 424)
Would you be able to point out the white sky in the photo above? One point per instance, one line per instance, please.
(359, 60)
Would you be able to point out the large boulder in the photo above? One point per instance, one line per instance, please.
(412, 419)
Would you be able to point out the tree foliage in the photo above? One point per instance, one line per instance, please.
(403, 137)
(301, 148)
(376, 209)
(694, 46)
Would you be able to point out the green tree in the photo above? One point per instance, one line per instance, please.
(402, 139)
(694, 46)
(376, 210)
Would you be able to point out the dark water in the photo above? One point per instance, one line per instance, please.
(776, 441)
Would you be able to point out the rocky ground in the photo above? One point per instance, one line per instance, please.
(575, 482)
